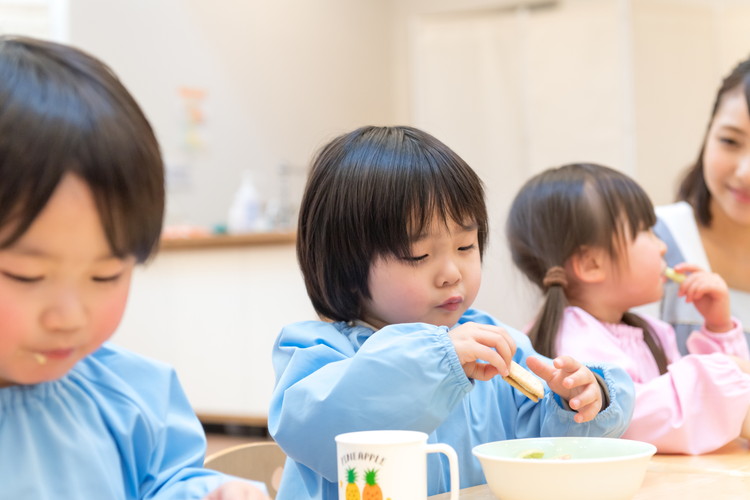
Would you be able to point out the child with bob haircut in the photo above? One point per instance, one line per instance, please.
(583, 234)
(391, 233)
(81, 202)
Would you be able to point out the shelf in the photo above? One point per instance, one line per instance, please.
(228, 240)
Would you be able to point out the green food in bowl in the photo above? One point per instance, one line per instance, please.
(565, 468)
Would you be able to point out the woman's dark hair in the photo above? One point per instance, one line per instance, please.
(368, 193)
(560, 211)
(693, 188)
(63, 111)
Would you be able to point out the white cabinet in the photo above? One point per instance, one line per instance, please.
(213, 312)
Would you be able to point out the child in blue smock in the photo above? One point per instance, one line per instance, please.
(392, 228)
(81, 202)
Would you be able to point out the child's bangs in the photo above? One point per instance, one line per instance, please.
(448, 195)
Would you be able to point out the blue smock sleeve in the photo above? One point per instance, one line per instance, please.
(403, 377)
(161, 442)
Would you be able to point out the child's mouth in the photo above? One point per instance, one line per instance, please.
(452, 303)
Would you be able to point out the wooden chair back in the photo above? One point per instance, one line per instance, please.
(260, 461)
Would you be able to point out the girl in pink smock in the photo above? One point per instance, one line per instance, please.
(583, 234)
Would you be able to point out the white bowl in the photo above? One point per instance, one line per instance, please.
(572, 468)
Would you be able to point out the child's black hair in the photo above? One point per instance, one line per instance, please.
(64, 111)
(369, 192)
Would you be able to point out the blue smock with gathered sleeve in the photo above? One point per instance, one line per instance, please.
(338, 377)
(117, 426)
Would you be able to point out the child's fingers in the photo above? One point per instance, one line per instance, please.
(687, 267)
(566, 363)
(484, 342)
(588, 403)
(493, 358)
(480, 371)
(588, 412)
(470, 351)
(540, 368)
(586, 395)
(500, 343)
(702, 286)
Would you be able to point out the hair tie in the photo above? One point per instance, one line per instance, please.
(555, 277)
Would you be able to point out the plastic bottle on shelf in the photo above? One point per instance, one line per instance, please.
(245, 212)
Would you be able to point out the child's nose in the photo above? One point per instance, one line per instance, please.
(450, 273)
(66, 312)
(662, 247)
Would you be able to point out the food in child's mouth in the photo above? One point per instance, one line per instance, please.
(525, 381)
(674, 275)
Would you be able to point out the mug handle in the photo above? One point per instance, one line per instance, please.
(448, 451)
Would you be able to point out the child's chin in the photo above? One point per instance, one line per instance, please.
(449, 319)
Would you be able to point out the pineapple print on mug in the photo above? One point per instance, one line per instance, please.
(371, 489)
(388, 465)
(352, 491)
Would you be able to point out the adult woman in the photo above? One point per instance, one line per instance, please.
(710, 224)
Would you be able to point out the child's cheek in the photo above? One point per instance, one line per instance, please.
(109, 314)
(16, 325)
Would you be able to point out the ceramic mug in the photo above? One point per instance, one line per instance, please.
(388, 465)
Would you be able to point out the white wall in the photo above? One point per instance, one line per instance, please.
(282, 77)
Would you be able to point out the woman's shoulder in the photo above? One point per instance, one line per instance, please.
(677, 211)
(676, 226)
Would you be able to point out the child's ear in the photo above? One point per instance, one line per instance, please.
(587, 264)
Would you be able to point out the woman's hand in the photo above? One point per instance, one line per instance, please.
(236, 490)
(709, 294)
(574, 382)
(476, 342)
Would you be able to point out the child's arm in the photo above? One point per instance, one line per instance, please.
(161, 443)
(670, 409)
(574, 382)
(404, 376)
(696, 407)
(710, 295)
(175, 458)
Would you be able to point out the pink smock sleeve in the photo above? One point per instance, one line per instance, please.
(696, 407)
(732, 342)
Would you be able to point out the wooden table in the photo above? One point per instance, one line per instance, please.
(723, 474)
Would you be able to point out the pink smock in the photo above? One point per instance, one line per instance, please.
(697, 406)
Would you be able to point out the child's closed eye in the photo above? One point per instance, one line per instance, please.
(468, 247)
(106, 279)
(22, 278)
(413, 259)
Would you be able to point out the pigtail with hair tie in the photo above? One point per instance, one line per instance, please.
(555, 277)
